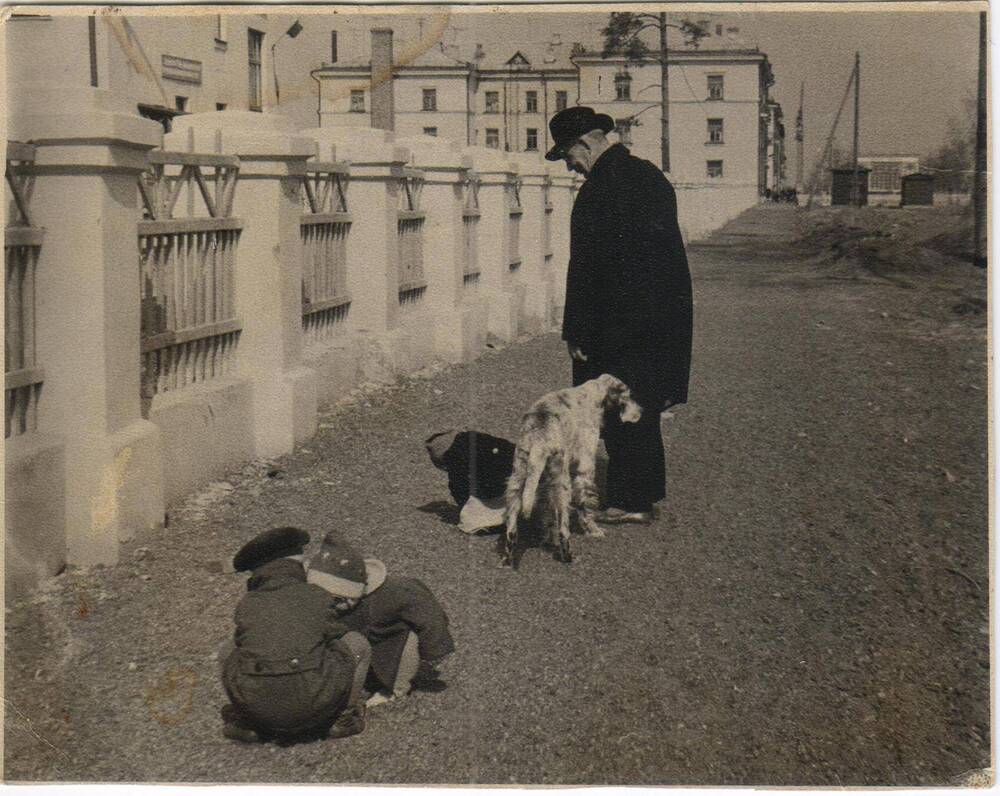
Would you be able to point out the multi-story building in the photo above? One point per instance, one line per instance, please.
(503, 105)
(725, 131)
(724, 127)
(719, 106)
(161, 65)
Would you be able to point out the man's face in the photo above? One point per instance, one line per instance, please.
(577, 158)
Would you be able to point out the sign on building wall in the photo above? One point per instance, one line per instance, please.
(183, 70)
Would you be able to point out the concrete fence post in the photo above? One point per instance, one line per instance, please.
(90, 148)
(534, 272)
(268, 266)
(497, 289)
(376, 166)
(563, 194)
(456, 337)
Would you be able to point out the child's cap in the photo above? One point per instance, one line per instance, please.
(270, 546)
(339, 569)
(437, 446)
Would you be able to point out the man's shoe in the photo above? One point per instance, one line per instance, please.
(615, 516)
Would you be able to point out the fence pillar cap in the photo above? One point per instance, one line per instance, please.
(531, 165)
(436, 153)
(359, 145)
(41, 112)
(256, 136)
(488, 160)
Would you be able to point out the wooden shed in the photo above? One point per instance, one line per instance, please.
(917, 189)
(840, 187)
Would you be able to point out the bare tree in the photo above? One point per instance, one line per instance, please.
(953, 163)
(621, 37)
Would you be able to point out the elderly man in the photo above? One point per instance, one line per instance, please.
(628, 300)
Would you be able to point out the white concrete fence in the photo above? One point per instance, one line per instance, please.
(179, 304)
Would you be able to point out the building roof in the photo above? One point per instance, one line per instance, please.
(433, 57)
(537, 55)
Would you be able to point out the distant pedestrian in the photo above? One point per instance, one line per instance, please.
(628, 305)
(296, 670)
(402, 620)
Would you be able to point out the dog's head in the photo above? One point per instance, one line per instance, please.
(618, 396)
(437, 446)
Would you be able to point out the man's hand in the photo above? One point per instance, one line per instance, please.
(576, 353)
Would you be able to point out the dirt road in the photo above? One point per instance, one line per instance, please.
(809, 609)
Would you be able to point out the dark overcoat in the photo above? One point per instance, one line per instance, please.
(289, 672)
(386, 617)
(628, 288)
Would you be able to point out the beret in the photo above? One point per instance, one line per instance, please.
(270, 546)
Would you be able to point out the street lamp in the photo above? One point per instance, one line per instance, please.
(291, 33)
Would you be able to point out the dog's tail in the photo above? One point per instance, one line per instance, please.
(528, 469)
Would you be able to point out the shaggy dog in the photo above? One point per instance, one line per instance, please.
(558, 440)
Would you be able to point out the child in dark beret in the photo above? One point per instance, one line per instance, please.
(402, 620)
(296, 669)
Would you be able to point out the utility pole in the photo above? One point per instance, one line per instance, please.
(979, 198)
(799, 138)
(855, 193)
(664, 97)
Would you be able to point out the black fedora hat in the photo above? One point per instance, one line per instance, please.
(570, 124)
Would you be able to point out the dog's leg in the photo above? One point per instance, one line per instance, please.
(563, 499)
(510, 540)
(584, 489)
(513, 500)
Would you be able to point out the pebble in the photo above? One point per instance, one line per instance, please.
(133, 666)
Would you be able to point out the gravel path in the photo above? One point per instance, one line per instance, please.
(811, 607)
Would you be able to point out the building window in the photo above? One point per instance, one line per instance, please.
(623, 86)
(430, 99)
(333, 46)
(560, 100)
(532, 145)
(255, 46)
(493, 102)
(181, 103)
(715, 87)
(493, 137)
(220, 106)
(430, 131)
(531, 102)
(885, 177)
(715, 131)
(624, 129)
(357, 100)
(220, 28)
(714, 168)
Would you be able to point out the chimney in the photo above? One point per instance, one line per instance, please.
(383, 110)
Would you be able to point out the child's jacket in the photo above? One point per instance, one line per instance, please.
(289, 674)
(478, 464)
(388, 614)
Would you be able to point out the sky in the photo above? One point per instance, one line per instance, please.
(917, 68)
